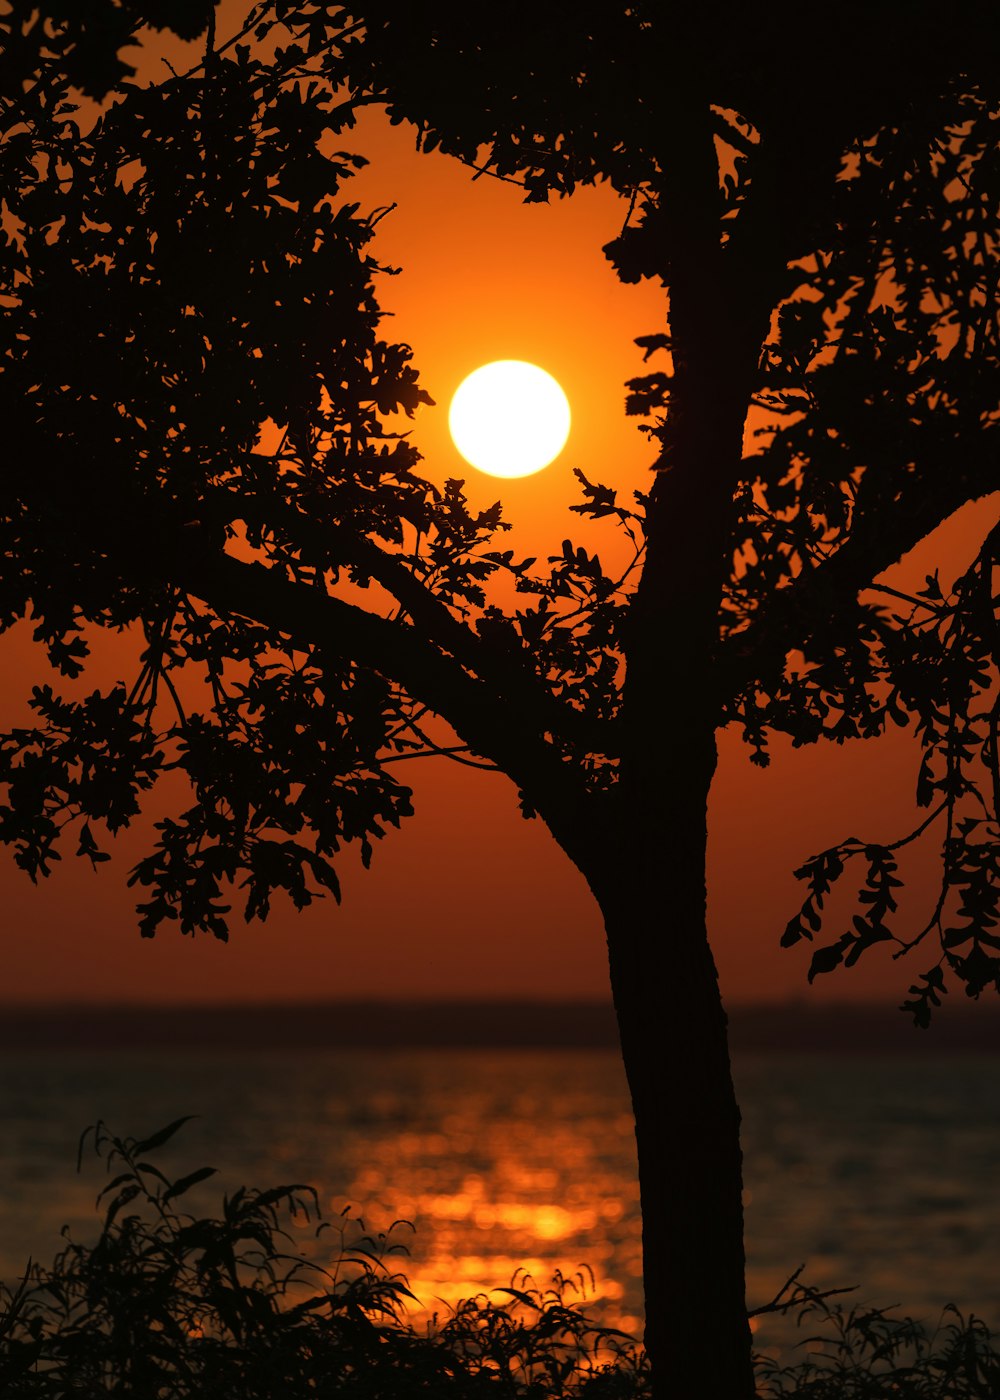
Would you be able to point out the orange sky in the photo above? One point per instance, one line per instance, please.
(469, 899)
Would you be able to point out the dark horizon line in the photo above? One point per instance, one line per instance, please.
(526, 999)
(485, 1022)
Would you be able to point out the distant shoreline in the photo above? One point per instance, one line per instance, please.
(847, 1028)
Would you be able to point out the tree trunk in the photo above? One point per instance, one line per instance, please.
(687, 1123)
(647, 865)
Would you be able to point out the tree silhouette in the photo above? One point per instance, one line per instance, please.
(183, 270)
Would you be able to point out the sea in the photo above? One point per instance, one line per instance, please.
(483, 1167)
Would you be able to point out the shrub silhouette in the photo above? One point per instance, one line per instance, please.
(175, 1306)
(168, 1304)
(871, 1354)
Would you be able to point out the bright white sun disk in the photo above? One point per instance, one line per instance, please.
(509, 418)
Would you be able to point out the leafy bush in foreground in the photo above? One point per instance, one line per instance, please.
(169, 1306)
(871, 1354)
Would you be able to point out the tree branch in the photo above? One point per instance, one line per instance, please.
(487, 722)
(881, 537)
(509, 674)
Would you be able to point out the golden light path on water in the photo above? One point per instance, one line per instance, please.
(508, 1231)
(875, 1172)
(507, 1163)
(538, 1184)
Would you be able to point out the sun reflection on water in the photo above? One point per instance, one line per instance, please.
(529, 1164)
(876, 1173)
(498, 1175)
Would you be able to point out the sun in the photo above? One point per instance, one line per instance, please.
(509, 418)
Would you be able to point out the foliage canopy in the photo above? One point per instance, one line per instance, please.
(195, 392)
(200, 406)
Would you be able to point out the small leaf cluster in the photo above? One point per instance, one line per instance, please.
(88, 41)
(940, 672)
(86, 761)
(876, 895)
(286, 766)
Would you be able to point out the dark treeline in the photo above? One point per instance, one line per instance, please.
(381, 1024)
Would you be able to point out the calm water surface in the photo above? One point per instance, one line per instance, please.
(884, 1173)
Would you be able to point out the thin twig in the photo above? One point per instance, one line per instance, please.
(631, 211)
(938, 610)
(800, 1293)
